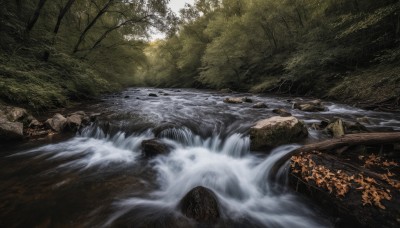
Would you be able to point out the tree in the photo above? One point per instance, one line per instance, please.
(32, 21)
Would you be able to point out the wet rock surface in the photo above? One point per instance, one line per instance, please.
(200, 204)
(276, 131)
(154, 147)
(237, 100)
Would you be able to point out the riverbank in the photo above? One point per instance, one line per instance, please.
(39, 86)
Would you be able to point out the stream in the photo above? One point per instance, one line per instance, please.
(98, 178)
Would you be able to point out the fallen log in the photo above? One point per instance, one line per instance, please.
(352, 140)
(346, 191)
(337, 182)
(344, 142)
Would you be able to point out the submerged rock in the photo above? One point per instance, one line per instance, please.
(260, 105)
(282, 112)
(355, 128)
(153, 95)
(154, 147)
(310, 106)
(276, 131)
(226, 90)
(57, 122)
(200, 204)
(237, 100)
(364, 119)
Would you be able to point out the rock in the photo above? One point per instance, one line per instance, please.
(320, 126)
(282, 112)
(16, 114)
(363, 120)
(126, 97)
(93, 117)
(336, 128)
(355, 128)
(200, 204)
(74, 122)
(310, 106)
(237, 100)
(10, 130)
(323, 124)
(81, 113)
(166, 94)
(154, 147)
(35, 124)
(260, 105)
(276, 131)
(153, 95)
(57, 122)
(226, 90)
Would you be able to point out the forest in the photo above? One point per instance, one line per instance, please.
(336, 49)
(55, 52)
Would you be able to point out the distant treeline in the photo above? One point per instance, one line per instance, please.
(288, 46)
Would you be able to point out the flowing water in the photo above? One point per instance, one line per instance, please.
(98, 177)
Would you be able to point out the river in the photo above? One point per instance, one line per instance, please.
(98, 178)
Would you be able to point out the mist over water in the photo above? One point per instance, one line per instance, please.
(100, 178)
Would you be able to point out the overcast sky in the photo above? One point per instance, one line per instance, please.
(176, 5)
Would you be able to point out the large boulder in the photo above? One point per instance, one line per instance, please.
(57, 122)
(10, 130)
(310, 106)
(74, 122)
(154, 147)
(237, 100)
(200, 204)
(276, 131)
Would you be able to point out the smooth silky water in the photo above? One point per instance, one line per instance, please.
(98, 177)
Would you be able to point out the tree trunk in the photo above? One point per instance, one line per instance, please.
(61, 15)
(107, 32)
(91, 24)
(19, 7)
(299, 17)
(351, 140)
(35, 16)
(339, 144)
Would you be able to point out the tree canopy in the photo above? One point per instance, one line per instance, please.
(266, 45)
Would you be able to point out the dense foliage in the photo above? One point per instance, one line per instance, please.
(55, 51)
(316, 47)
(58, 50)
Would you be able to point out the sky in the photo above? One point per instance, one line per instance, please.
(175, 5)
